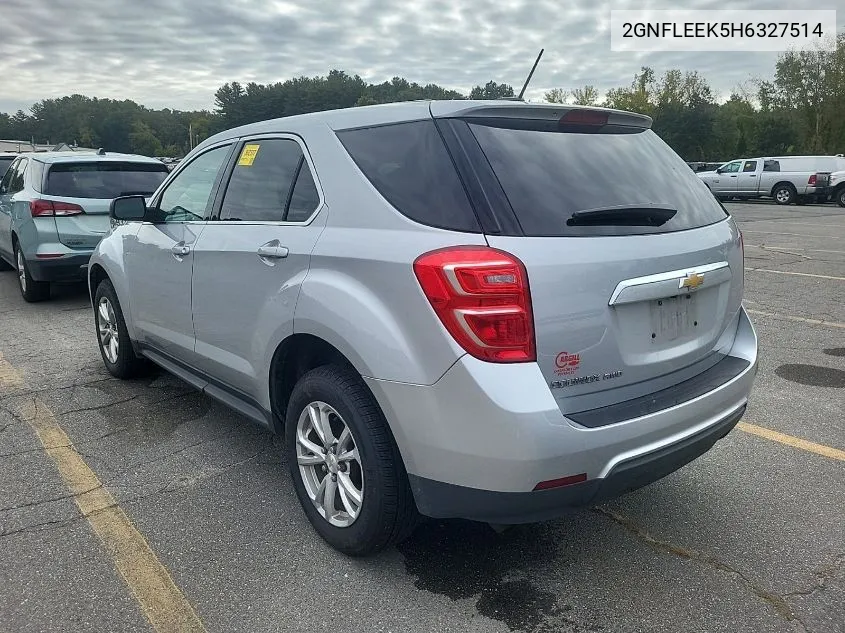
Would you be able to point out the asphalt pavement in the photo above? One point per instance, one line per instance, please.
(750, 537)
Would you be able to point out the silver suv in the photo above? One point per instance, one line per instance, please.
(54, 209)
(486, 310)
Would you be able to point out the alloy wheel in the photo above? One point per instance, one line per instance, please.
(329, 464)
(107, 326)
(21, 271)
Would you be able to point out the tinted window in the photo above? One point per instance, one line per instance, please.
(7, 178)
(104, 179)
(304, 199)
(37, 177)
(5, 161)
(188, 195)
(261, 181)
(771, 165)
(17, 181)
(750, 165)
(408, 164)
(548, 176)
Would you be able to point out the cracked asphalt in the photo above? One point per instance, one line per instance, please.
(750, 537)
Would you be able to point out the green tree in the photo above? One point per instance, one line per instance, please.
(586, 96)
(557, 95)
(142, 140)
(491, 90)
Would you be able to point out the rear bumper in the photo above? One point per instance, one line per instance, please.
(438, 499)
(477, 442)
(65, 268)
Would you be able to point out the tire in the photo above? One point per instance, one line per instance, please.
(32, 291)
(840, 197)
(784, 194)
(387, 513)
(120, 361)
(801, 200)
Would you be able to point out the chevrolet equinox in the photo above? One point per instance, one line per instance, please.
(486, 310)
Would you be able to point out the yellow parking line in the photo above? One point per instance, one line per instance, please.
(789, 272)
(799, 319)
(166, 607)
(794, 442)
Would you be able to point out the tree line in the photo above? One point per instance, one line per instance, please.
(801, 109)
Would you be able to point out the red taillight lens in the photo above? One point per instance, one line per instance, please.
(812, 180)
(39, 208)
(481, 296)
(584, 117)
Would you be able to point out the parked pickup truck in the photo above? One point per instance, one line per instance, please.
(836, 187)
(787, 179)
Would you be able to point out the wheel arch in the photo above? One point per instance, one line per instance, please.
(785, 183)
(292, 358)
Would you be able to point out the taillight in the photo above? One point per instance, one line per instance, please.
(40, 208)
(812, 180)
(584, 117)
(481, 296)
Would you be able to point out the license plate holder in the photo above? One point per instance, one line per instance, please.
(672, 317)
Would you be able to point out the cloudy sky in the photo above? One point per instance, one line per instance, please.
(176, 53)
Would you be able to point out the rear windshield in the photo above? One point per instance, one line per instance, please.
(548, 176)
(4, 164)
(104, 180)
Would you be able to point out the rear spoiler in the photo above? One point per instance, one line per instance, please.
(532, 111)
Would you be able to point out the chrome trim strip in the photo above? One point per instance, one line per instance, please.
(674, 275)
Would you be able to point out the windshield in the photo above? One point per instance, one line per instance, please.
(105, 179)
(550, 176)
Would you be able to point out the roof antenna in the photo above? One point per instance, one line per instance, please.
(530, 75)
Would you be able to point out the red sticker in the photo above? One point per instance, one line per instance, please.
(567, 363)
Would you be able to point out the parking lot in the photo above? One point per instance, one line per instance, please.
(192, 523)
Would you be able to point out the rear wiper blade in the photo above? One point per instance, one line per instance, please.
(622, 216)
(146, 194)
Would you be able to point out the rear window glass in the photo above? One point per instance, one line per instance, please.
(408, 164)
(104, 180)
(549, 176)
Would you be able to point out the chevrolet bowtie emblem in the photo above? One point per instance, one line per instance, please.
(692, 281)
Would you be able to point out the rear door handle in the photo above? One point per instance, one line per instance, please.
(272, 250)
(180, 250)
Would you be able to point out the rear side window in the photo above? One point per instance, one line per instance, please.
(565, 183)
(409, 166)
(37, 177)
(263, 180)
(104, 180)
(17, 181)
(304, 198)
(771, 165)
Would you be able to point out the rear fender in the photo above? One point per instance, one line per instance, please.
(369, 331)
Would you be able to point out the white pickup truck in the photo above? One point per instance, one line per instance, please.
(787, 179)
(836, 187)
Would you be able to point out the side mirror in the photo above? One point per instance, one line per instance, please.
(719, 170)
(128, 208)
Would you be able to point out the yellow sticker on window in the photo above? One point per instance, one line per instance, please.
(248, 155)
